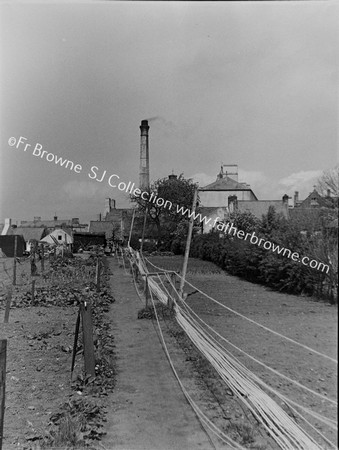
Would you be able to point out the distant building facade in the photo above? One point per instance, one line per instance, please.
(227, 196)
(217, 193)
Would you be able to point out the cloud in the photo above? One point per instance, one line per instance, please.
(77, 190)
(268, 188)
(302, 181)
(203, 179)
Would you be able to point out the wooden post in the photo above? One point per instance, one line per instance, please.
(14, 262)
(32, 260)
(146, 291)
(188, 243)
(87, 332)
(33, 289)
(130, 231)
(8, 304)
(143, 229)
(42, 258)
(75, 344)
(97, 275)
(172, 291)
(3, 354)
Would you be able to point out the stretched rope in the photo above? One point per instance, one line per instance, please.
(253, 321)
(205, 420)
(286, 433)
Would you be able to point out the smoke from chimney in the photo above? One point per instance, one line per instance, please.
(144, 156)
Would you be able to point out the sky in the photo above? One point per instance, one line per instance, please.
(247, 83)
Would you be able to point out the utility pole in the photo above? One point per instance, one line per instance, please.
(188, 243)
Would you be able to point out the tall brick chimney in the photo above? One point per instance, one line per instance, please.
(144, 156)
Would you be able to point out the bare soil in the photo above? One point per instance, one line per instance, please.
(147, 409)
(302, 319)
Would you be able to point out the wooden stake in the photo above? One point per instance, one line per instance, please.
(143, 229)
(87, 332)
(172, 291)
(42, 258)
(75, 344)
(3, 355)
(97, 275)
(146, 291)
(8, 304)
(188, 244)
(130, 231)
(14, 262)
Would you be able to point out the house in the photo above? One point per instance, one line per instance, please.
(226, 196)
(101, 226)
(260, 207)
(316, 213)
(30, 234)
(59, 237)
(315, 200)
(49, 224)
(217, 193)
(119, 218)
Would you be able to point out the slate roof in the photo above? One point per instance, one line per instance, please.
(315, 200)
(28, 233)
(46, 223)
(101, 227)
(226, 184)
(260, 207)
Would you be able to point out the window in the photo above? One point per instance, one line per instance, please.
(59, 237)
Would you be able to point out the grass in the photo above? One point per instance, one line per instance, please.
(195, 265)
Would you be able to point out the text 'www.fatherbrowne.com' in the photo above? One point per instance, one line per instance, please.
(230, 229)
(112, 180)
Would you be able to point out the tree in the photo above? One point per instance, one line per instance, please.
(329, 182)
(245, 221)
(165, 199)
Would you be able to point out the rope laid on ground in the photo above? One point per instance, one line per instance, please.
(164, 298)
(331, 423)
(226, 439)
(212, 352)
(253, 321)
(277, 423)
(289, 402)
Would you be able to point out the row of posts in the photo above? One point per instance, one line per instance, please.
(3, 342)
(85, 316)
(173, 290)
(85, 313)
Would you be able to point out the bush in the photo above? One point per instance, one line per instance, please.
(255, 264)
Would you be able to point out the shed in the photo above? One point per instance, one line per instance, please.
(58, 236)
(7, 245)
(86, 239)
(30, 234)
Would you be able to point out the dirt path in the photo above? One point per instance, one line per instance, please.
(147, 409)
